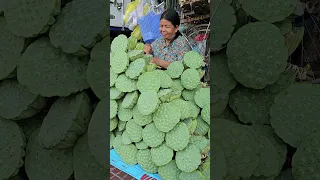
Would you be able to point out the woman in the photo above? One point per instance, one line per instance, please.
(172, 45)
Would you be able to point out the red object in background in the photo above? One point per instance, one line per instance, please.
(201, 37)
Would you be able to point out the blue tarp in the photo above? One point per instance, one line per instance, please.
(135, 171)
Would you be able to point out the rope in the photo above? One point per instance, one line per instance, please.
(301, 72)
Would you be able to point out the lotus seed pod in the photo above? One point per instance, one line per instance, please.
(270, 11)
(256, 64)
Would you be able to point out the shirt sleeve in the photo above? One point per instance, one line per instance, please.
(182, 48)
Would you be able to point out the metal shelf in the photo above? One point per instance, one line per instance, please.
(195, 18)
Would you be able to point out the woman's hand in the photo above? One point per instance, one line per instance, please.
(147, 48)
(155, 61)
(161, 63)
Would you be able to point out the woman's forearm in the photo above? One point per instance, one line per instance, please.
(147, 49)
(164, 63)
(161, 63)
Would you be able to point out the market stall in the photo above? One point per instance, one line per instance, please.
(141, 18)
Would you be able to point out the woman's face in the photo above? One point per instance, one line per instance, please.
(167, 29)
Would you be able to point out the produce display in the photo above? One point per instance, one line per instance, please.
(159, 119)
(264, 113)
(53, 87)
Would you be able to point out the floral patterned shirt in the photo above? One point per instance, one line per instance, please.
(172, 52)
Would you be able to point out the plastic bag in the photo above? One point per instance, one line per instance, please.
(137, 33)
(129, 9)
(149, 27)
(140, 10)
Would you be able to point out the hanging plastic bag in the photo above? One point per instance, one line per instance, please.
(142, 9)
(128, 18)
(146, 9)
(138, 12)
(137, 33)
(149, 24)
(131, 7)
(149, 27)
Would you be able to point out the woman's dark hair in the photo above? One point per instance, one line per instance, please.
(172, 16)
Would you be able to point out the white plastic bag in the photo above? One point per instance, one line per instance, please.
(137, 13)
(128, 11)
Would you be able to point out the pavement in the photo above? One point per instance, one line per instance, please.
(116, 174)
